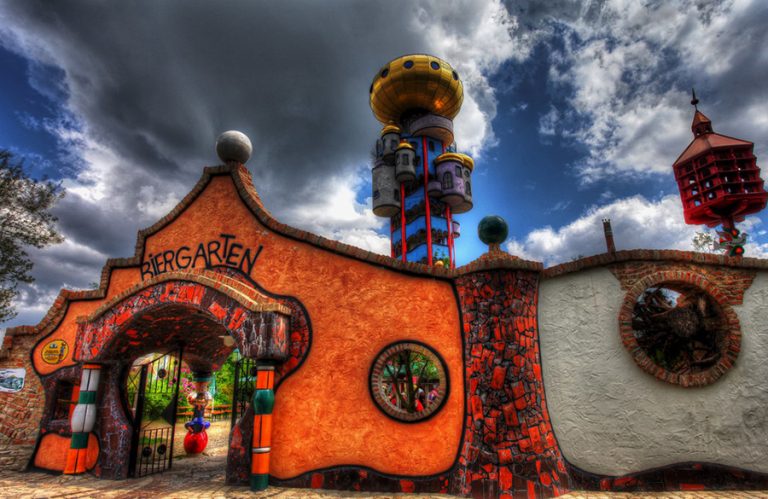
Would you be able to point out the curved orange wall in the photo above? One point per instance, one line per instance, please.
(52, 452)
(120, 280)
(324, 415)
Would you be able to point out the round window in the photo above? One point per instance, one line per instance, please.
(408, 64)
(408, 381)
(679, 332)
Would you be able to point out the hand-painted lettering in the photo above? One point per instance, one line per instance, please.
(218, 252)
(234, 252)
(182, 258)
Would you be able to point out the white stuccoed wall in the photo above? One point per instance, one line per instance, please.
(612, 418)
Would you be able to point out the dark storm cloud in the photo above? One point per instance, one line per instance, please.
(153, 84)
(157, 81)
(97, 223)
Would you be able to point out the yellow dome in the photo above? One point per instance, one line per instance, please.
(468, 162)
(449, 156)
(390, 129)
(405, 145)
(416, 82)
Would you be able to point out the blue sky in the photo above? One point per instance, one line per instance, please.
(574, 111)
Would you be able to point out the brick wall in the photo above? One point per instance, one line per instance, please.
(20, 412)
(724, 285)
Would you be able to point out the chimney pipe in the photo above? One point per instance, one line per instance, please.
(609, 236)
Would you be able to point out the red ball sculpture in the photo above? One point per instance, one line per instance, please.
(195, 443)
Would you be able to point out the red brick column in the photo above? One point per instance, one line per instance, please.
(509, 448)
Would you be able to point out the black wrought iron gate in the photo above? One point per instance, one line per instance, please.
(153, 393)
(245, 382)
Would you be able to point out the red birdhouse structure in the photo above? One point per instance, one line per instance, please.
(718, 177)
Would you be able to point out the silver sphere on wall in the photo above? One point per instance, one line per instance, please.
(234, 146)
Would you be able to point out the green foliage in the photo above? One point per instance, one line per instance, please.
(225, 380)
(25, 220)
(155, 404)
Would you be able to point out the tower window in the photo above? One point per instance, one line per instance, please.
(376, 194)
(458, 171)
(434, 65)
(467, 188)
(395, 194)
(408, 64)
(447, 181)
(431, 146)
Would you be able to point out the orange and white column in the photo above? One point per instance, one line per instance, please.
(83, 420)
(263, 402)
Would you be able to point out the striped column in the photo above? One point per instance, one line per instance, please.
(83, 420)
(263, 401)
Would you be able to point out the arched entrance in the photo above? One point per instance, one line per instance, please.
(199, 317)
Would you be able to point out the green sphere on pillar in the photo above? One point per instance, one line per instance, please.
(492, 229)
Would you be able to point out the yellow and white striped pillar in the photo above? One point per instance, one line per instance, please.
(83, 420)
(263, 402)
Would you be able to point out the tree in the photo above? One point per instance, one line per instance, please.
(704, 242)
(25, 220)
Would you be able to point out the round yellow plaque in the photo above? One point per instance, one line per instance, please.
(55, 352)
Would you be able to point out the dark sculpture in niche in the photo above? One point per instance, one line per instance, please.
(679, 327)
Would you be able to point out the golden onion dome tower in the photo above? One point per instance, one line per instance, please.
(419, 179)
(415, 82)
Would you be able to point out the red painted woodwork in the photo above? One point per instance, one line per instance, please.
(718, 178)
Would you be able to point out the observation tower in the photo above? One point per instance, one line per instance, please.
(420, 181)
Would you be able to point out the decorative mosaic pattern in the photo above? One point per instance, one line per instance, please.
(685, 477)
(508, 447)
(257, 334)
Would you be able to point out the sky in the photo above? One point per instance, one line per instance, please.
(573, 111)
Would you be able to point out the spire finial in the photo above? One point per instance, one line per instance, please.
(694, 100)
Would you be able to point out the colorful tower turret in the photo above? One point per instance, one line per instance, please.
(419, 180)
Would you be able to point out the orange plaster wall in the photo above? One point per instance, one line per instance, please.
(324, 415)
(120, 280)
(52, 453)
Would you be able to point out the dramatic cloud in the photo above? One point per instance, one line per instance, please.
(637, 223)
(626, 70)
(144, 88)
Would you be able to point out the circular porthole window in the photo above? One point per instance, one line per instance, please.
(679, 332)
(408, 381)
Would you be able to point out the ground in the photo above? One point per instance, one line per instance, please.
(203, 477)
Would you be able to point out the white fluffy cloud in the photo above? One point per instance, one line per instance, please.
(637, 223)
(627, 69)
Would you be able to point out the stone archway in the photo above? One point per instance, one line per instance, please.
(196, 308)
(258, 323)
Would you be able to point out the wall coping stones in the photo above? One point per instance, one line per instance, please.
(494, 259)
